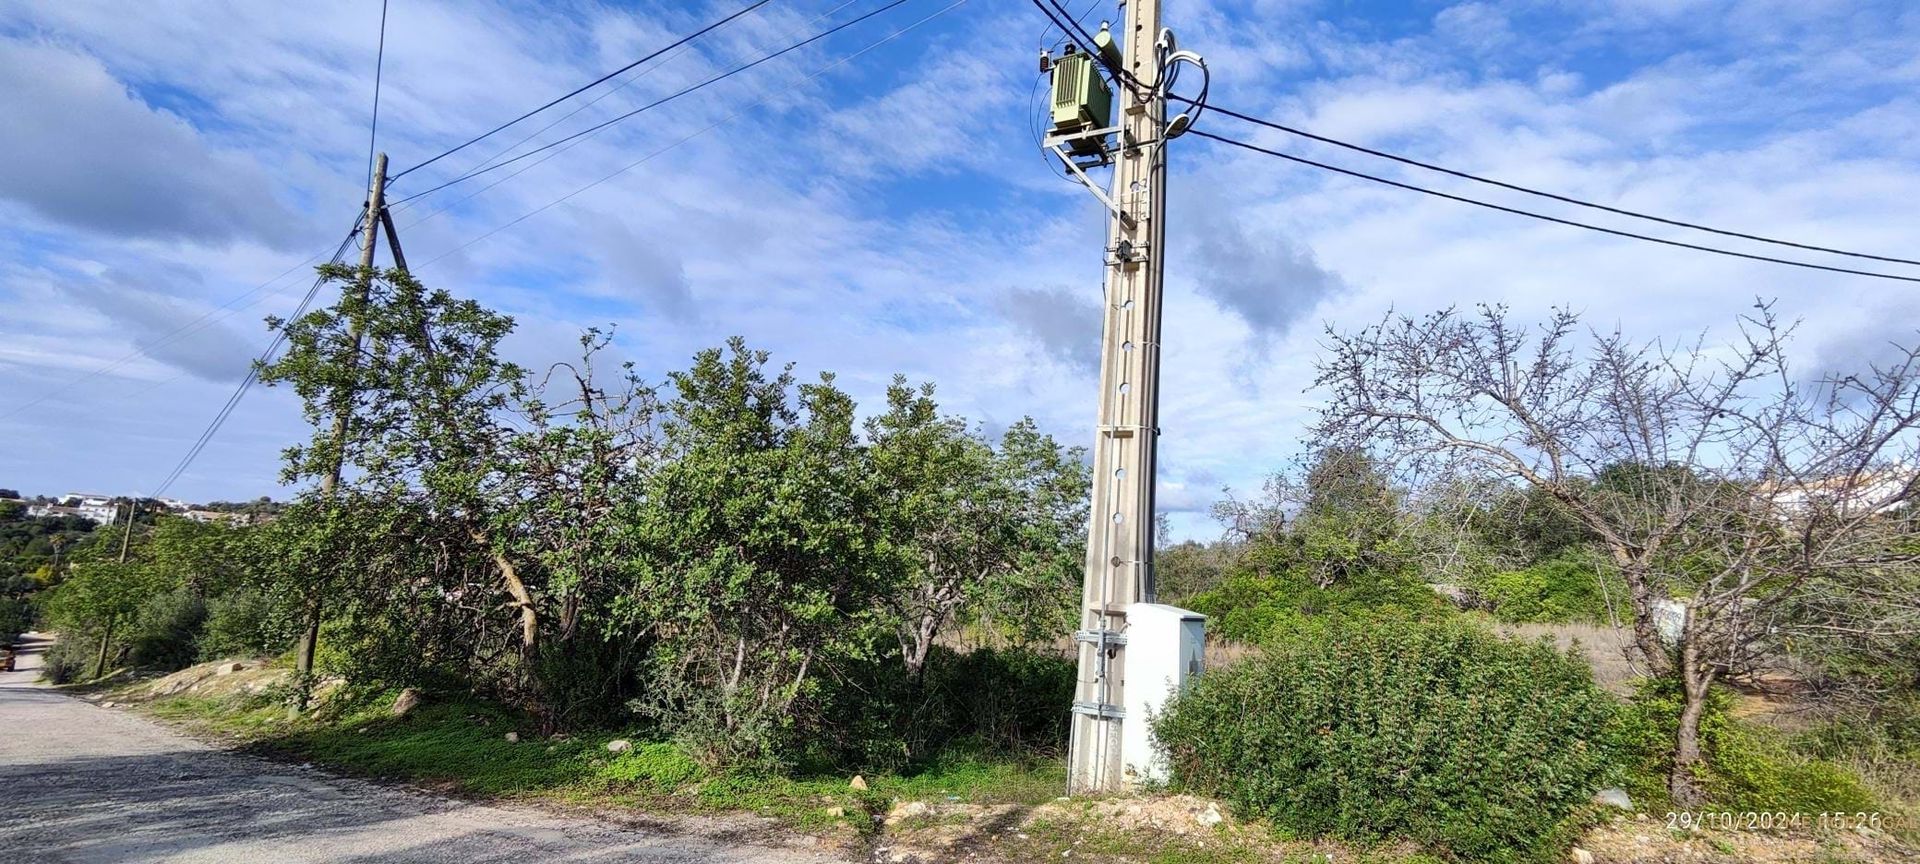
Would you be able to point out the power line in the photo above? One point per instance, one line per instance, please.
(1541, 216)
(661, 101)
(702, 131)
(379, 63)
(1078, 35)
(1536, 192)
(253, 374)
(401, 205)
(1045, 31)
(398, 207)
(585, 87)
(205, 320)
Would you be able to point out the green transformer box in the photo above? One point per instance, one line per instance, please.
(1081, 99)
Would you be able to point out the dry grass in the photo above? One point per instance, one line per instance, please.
(1605, 648)
(1222, 653)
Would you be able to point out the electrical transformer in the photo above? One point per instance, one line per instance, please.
(1081, 99)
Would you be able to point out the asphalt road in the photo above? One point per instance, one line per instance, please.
(81, 783)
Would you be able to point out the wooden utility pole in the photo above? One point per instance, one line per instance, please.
(362, 288)
(106, 632)
(126, 539)
(1119, 564)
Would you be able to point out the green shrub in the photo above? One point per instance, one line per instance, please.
(1748, 768)
(1255, 605)
(15, 618)
(1439, 733)
(1003, 702)
(166, 629)
(244, 623)
(70, 658)
(1752, 770)
(985, 703)
(1561, 589)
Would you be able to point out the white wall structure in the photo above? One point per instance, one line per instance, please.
(1166, 648)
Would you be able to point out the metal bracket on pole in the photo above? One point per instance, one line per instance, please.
(1086, 181)
(1100, 154)
(1104, 712)
(1100, 637)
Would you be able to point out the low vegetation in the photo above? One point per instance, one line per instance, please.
(1470, 744)
(464, 747)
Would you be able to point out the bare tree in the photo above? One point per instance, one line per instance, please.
(1710, 473)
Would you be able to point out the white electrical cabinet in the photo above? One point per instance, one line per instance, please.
(1166, 648)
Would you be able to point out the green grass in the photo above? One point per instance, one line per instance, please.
(462, 747)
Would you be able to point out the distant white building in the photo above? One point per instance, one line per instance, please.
(90, 514)
(1870, 492)
(86, 505)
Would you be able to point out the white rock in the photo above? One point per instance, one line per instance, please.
(1209, 817)
(1580, 856)
(513, 737)
(108, 704)
(408, 700)
(858, 782)
(619, 745)
(910, 810)
(1613, 798)
(230, 668)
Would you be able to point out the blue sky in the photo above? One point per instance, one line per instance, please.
(890, 213)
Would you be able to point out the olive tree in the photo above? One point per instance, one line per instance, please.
(1710, 473)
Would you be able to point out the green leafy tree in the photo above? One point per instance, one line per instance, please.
(97, 600)
(412, 380)
(763, 556)
(991, 534)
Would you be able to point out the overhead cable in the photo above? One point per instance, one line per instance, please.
(253, 374)
(695, 134)
(1536, 192)
(661, 101)
(583, 88)
(1542, 216)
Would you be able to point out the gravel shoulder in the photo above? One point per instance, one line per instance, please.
(81, 783)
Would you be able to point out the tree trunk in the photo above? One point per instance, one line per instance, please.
(106, 639)
(1696, 679)
(303, 659)
(1646, 628)
(920, 645)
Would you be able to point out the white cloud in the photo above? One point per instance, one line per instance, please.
(891, 216)
(83, 151)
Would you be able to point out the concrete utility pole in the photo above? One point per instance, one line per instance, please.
(362, 287)
(1120, 541)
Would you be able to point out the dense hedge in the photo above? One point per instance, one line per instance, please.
(1474, 746)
